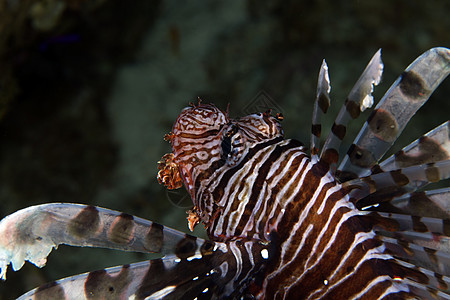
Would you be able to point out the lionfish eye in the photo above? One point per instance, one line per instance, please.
(232, 145)
(226, 147)
(227, 141)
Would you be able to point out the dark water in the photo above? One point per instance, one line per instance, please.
(95, 94)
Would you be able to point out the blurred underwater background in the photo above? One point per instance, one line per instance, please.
(89, 88)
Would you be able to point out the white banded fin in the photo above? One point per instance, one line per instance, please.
(162, 293)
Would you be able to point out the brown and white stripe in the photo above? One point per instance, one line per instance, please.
(282, 224)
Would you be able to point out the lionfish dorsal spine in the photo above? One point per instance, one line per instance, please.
(321, 105)
(386, 122)
(359, 99)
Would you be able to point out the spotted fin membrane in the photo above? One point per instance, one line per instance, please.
(368, 229)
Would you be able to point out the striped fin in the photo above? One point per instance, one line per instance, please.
(432, 203)
(422, 250)
(359, 98)
(418, 224)
(31, 233)
(209, 271)
(431, 147)
(408, 93)
(436, 261)
(420, 240)
(155, 279)
(423, 291)
(429, 240)
(321, 105)
(397, 182)
(430, 281)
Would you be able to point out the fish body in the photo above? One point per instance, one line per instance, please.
(284, 221)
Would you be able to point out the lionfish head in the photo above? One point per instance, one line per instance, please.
(196, 142)
(204, 139)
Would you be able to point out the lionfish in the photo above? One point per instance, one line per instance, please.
(282, 224)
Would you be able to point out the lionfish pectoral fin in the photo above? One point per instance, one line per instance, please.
(387, 185)
(204, 271)
(399, 196)
(166, 278)
(421, 250)
(421, 281)
(430, 203)
(426, 257)
(420, 265)
(431, 147)
(31, 233)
